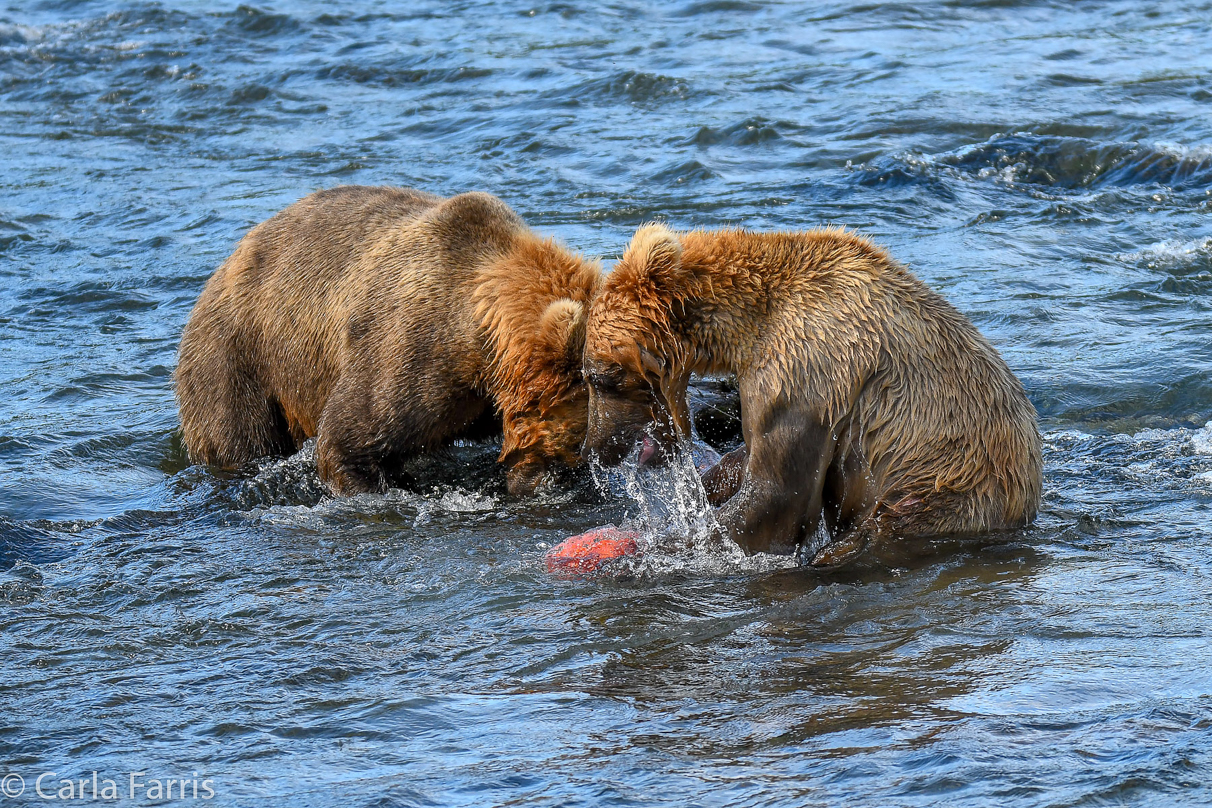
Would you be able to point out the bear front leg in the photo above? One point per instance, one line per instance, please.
(723, 480)
(842, 552)
(779, 501)
(350, 450)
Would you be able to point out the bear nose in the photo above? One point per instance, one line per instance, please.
(595, 444)
(523, 481)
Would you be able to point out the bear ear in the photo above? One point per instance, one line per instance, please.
(652, 363)
(562, 328)
(655, 253)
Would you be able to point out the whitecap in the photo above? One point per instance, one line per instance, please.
(1201, 442)
(1166, 254)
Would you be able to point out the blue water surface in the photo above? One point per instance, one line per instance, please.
(1047, 166)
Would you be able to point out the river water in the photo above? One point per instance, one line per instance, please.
(1047, 166)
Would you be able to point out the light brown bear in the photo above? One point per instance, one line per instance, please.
(866, 399)
(384, 322)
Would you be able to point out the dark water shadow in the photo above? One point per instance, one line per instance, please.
(839, 651)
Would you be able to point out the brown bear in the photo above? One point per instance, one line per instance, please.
(866, 399)
(384, 322)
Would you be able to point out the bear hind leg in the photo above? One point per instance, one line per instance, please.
(234, 424)
(349, 469)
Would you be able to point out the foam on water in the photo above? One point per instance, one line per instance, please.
(1168, 254)
(1201, 440)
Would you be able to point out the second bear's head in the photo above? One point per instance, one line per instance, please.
(532, 306)
(635, 361)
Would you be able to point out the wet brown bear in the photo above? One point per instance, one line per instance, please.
(866, 399)
(383, 322)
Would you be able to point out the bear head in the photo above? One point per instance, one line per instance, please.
(532, 305)
(633, 362)
(544, 426)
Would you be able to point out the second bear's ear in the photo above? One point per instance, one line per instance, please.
(562, 328)
(655, 254)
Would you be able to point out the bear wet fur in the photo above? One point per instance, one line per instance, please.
(867, 400)
(384, 322)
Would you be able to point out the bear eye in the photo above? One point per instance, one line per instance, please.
(604, 382)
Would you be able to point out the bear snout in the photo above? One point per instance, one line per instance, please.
(609, 451)
(612, 449)
(524, 479)
(607, 447)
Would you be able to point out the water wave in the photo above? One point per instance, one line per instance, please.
(634, 86)
(749, 132)
(703, 7)
(682, 173)
(262, 23)
(1051, 161)
(1178, 460)
(38, 541)
(1191, 255)
(386, 76)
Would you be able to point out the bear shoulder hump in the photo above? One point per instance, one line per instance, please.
(476, 216)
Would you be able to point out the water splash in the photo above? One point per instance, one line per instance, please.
(282, 481)
(679, 531)
(670, 499)
(288, 491)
